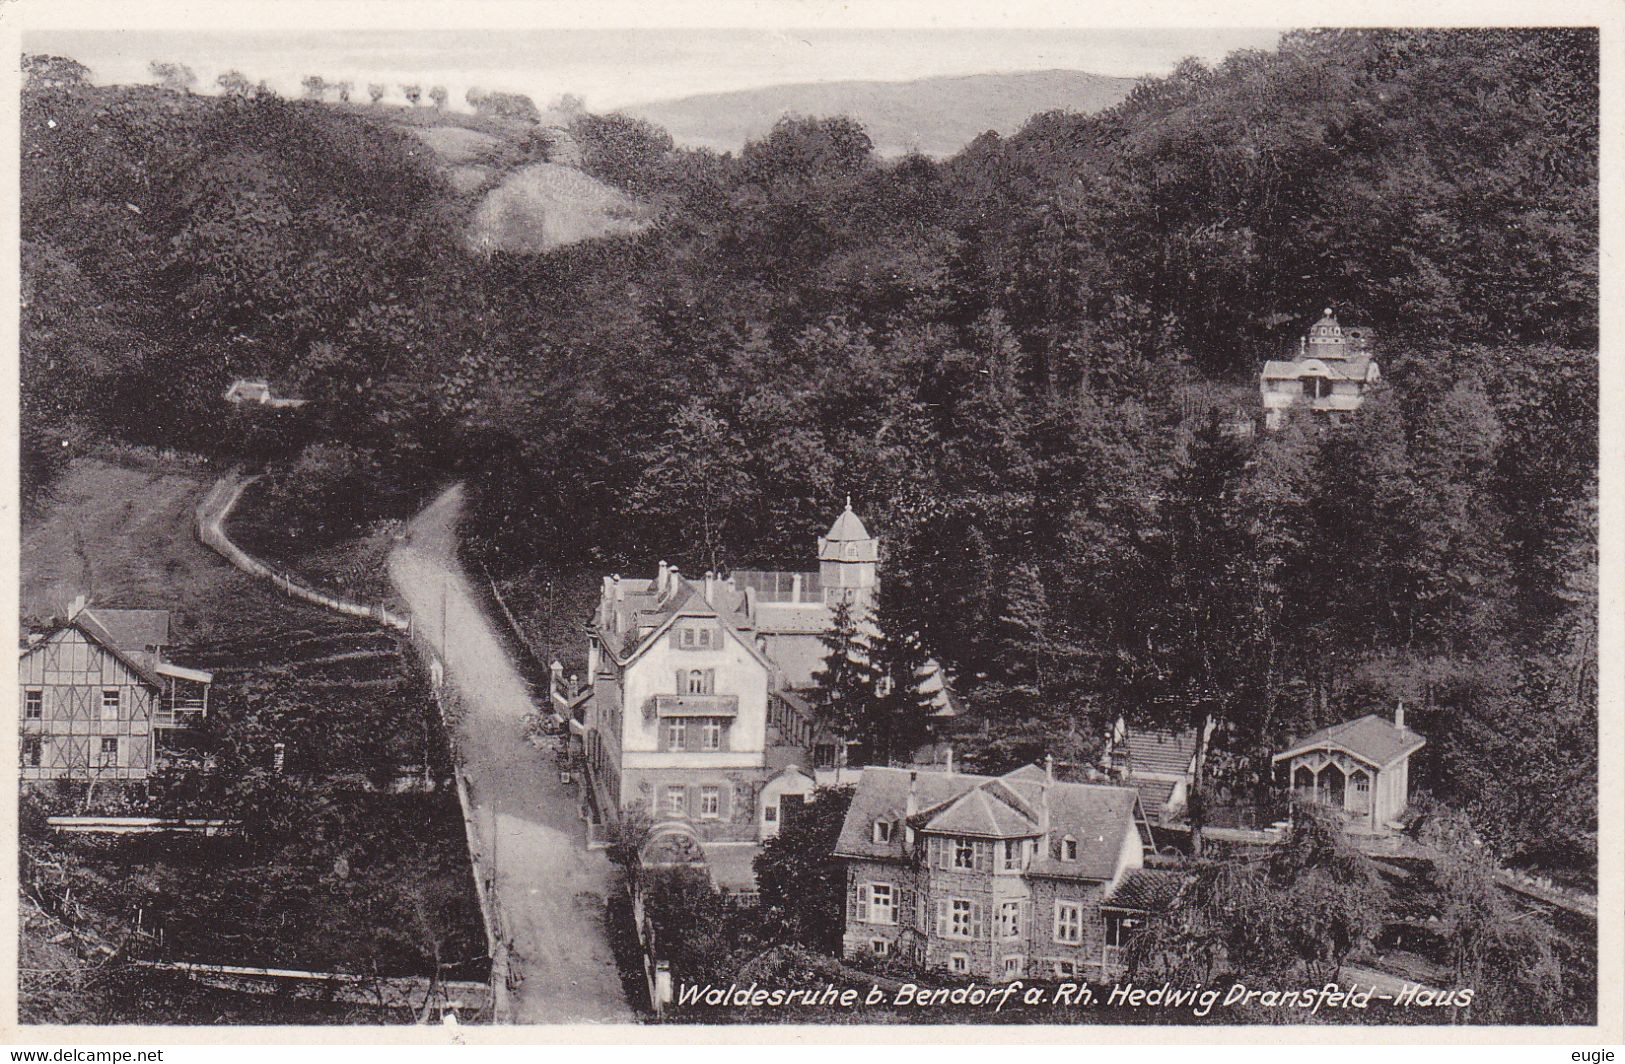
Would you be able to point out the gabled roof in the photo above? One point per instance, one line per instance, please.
(1354, 368)
(1147, 890)
(979, 811)
(1009, 806)
(1375, 740)
(1153, 751)
(133, 630)
(1154, 795)
(94, 632)
(641, 608)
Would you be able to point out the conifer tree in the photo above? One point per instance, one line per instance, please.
(845, 695)
(902, 664)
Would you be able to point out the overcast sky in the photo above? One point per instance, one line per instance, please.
(614, 68)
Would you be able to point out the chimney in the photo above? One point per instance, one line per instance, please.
(1399, 715)
(76, 606)
(911, 807)
(1043, 818)
(950, 766)
(1049, 768)
(660, 582)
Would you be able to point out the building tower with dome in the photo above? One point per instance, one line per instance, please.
(1329, 378)
(701, 700)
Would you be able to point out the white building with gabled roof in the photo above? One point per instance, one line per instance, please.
(1330, 376)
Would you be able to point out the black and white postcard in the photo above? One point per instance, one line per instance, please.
(534, 517)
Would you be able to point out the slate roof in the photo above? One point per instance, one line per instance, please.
(1373, 739)
(640, 608)
(804, 618)
(1159, 751)
(132, 630)
(848, 526)
(1154, 795)
(1356, 367)
(136, 661)
(1147, 890)
(1009, 806)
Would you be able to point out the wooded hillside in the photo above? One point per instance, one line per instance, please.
(1015, 361)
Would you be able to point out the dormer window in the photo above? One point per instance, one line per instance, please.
(696, 637)
(883, 831)
(1069, 849)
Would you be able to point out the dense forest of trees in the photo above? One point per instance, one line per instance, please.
(1017, 361)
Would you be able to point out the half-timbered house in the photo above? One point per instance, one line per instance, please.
(95, 691)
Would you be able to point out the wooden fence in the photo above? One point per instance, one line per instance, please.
(484, 876)
(141, 825)
(212, 512)
(415, 993)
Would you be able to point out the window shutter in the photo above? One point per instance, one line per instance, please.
(682, 687)
(942, 918)
(726, 743)
(710, 681)
(863, 904)
(978, 918)
(676, 640)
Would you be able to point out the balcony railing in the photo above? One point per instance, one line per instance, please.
(696, 705)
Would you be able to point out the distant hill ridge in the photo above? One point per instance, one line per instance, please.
(935, 116)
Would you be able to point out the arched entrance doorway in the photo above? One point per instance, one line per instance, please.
(1359, 792)
(1329, 786)
(1303, 782)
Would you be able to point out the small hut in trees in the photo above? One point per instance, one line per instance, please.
(1360, 767)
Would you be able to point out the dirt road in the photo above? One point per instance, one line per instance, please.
(550, 889)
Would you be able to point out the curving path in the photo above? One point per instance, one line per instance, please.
(550, 890)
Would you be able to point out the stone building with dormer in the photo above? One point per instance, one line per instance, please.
(1007, 877)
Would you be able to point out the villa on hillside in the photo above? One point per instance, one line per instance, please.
(699, 704)
(1330, 376)
(1000, 877)
(95, 691)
